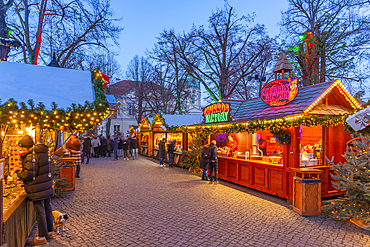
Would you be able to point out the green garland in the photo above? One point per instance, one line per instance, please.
(274, 126)
(277, 127)
(77, 117)
(282, 136)
(158, 118)
(145, 122)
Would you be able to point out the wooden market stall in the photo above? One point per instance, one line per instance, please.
(261, 161)
(152, 131)
(41, 88)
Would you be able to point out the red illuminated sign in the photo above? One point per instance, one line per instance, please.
(280, 92)
(219, 112)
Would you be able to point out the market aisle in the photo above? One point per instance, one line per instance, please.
(137, 203)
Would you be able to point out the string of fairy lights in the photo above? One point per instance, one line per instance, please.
(77, 117)
(276, 126)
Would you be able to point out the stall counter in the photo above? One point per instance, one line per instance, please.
(256, 174)
(18, 220)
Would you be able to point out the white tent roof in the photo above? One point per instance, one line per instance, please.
(181, 120)
(110, 98)
(45, 84)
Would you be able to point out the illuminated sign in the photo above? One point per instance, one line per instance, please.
(280, 92)
(220, 137)
(219, 112)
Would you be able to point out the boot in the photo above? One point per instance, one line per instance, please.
(206, 178)
(203, 178)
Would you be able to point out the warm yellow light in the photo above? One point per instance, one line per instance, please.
(20, 132)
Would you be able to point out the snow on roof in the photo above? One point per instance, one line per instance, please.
(181, 120)
(111, 98)
(45, 84)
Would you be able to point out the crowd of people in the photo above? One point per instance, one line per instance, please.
(110, 146)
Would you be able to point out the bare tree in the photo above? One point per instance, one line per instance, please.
(170, 68)
(222, 55)
(140, 71)
(4, 48)
(334, 41)
(70, 27)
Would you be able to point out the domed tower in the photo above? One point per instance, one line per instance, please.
(193, 100)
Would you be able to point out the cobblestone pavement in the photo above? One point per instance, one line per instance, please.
(137, 203)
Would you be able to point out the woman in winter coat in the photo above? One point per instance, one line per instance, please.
(38, 184)
(203, 162)
(162, 152)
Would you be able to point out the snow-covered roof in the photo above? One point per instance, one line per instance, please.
(110, 98)
(181, 120)
(44, 84)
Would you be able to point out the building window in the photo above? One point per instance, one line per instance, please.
(116, 128)
(131, 109)
(193, 100)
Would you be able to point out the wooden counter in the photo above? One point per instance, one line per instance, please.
(18, 221)
(263, 176)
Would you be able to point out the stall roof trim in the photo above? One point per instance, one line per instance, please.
(180, 120)
(45, 84)
(254, 109)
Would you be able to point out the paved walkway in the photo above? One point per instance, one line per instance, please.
(137, 203)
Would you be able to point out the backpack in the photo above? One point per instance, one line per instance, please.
(208, 153)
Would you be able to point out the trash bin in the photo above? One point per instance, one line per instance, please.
(68, 170)
(307, 191)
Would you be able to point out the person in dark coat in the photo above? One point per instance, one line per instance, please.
(103, 147)
(203, 161)
(170, 149)
(120, 146)
(134, 147)
(115, 146)
(109, 146)
(125, 147)
(38, 184)
(213, 163)
(86, 149)
(162, 152)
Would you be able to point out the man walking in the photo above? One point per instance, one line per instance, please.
(134, 147)
(38, 184)
(213, 163)
(96, 143)
(86, 149)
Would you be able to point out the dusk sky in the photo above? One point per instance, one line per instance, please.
(143, 20)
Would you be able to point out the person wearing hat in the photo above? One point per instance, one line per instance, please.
(38, 184)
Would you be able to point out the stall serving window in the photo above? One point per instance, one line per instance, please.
(178, 138)
(258, 146)
(13, 187)
(157, 138)
(311, 146)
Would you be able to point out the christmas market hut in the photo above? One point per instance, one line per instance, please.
(39, 100)
(153, 130)
(260, 141)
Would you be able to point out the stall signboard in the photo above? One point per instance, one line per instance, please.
(218, 112)
(280, 92)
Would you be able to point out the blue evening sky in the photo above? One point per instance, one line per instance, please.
(143, 20)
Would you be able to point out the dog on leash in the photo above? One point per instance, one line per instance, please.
(59, 220)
